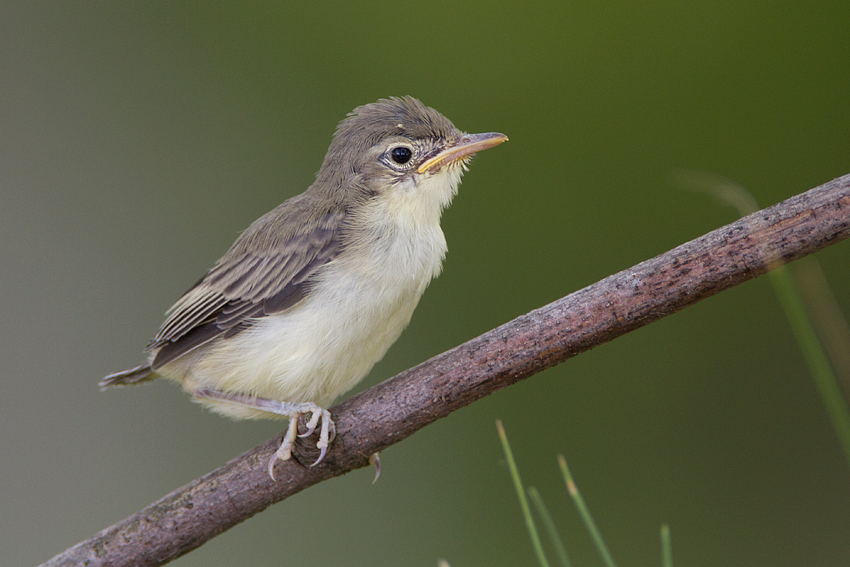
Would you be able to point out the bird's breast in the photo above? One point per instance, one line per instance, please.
(359, 305)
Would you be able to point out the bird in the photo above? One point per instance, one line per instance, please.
(314, 292)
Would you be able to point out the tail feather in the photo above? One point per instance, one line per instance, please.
(141, 373)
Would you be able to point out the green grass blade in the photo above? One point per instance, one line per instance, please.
(585, 513)
(791, 300)
(666, 547)
(813, 352)
(523, 501)
(554, 536)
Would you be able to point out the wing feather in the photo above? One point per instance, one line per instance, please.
(267, 270)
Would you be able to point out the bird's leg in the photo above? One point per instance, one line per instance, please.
(293, 411)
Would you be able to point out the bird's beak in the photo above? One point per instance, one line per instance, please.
(465, 146)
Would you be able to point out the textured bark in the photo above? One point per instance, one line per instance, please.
(393, 410)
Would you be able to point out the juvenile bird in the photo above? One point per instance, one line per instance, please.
(313, 293)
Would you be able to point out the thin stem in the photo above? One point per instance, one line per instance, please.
(523, 501)
(585, 513)
(666, 547)
(549, 524)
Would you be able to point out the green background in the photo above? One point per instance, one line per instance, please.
(138, 139)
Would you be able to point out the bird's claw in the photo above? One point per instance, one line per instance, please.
(322, 453)
(283, 453)
(375, 460)
(327, 433)
(311, 424)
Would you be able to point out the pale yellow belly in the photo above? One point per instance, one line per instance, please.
(313, 352)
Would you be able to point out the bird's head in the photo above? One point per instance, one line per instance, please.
(399, 145)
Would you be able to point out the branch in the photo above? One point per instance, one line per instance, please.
(400, 406)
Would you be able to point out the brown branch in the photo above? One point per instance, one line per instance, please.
(393, 410)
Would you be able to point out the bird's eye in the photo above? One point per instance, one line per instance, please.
(401, 154)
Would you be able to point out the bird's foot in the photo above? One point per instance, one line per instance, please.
(293, 411)
(327, 432)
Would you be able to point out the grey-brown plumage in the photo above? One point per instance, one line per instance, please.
(334, 273)
(268, 268)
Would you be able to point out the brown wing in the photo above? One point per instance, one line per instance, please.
(267, 270)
